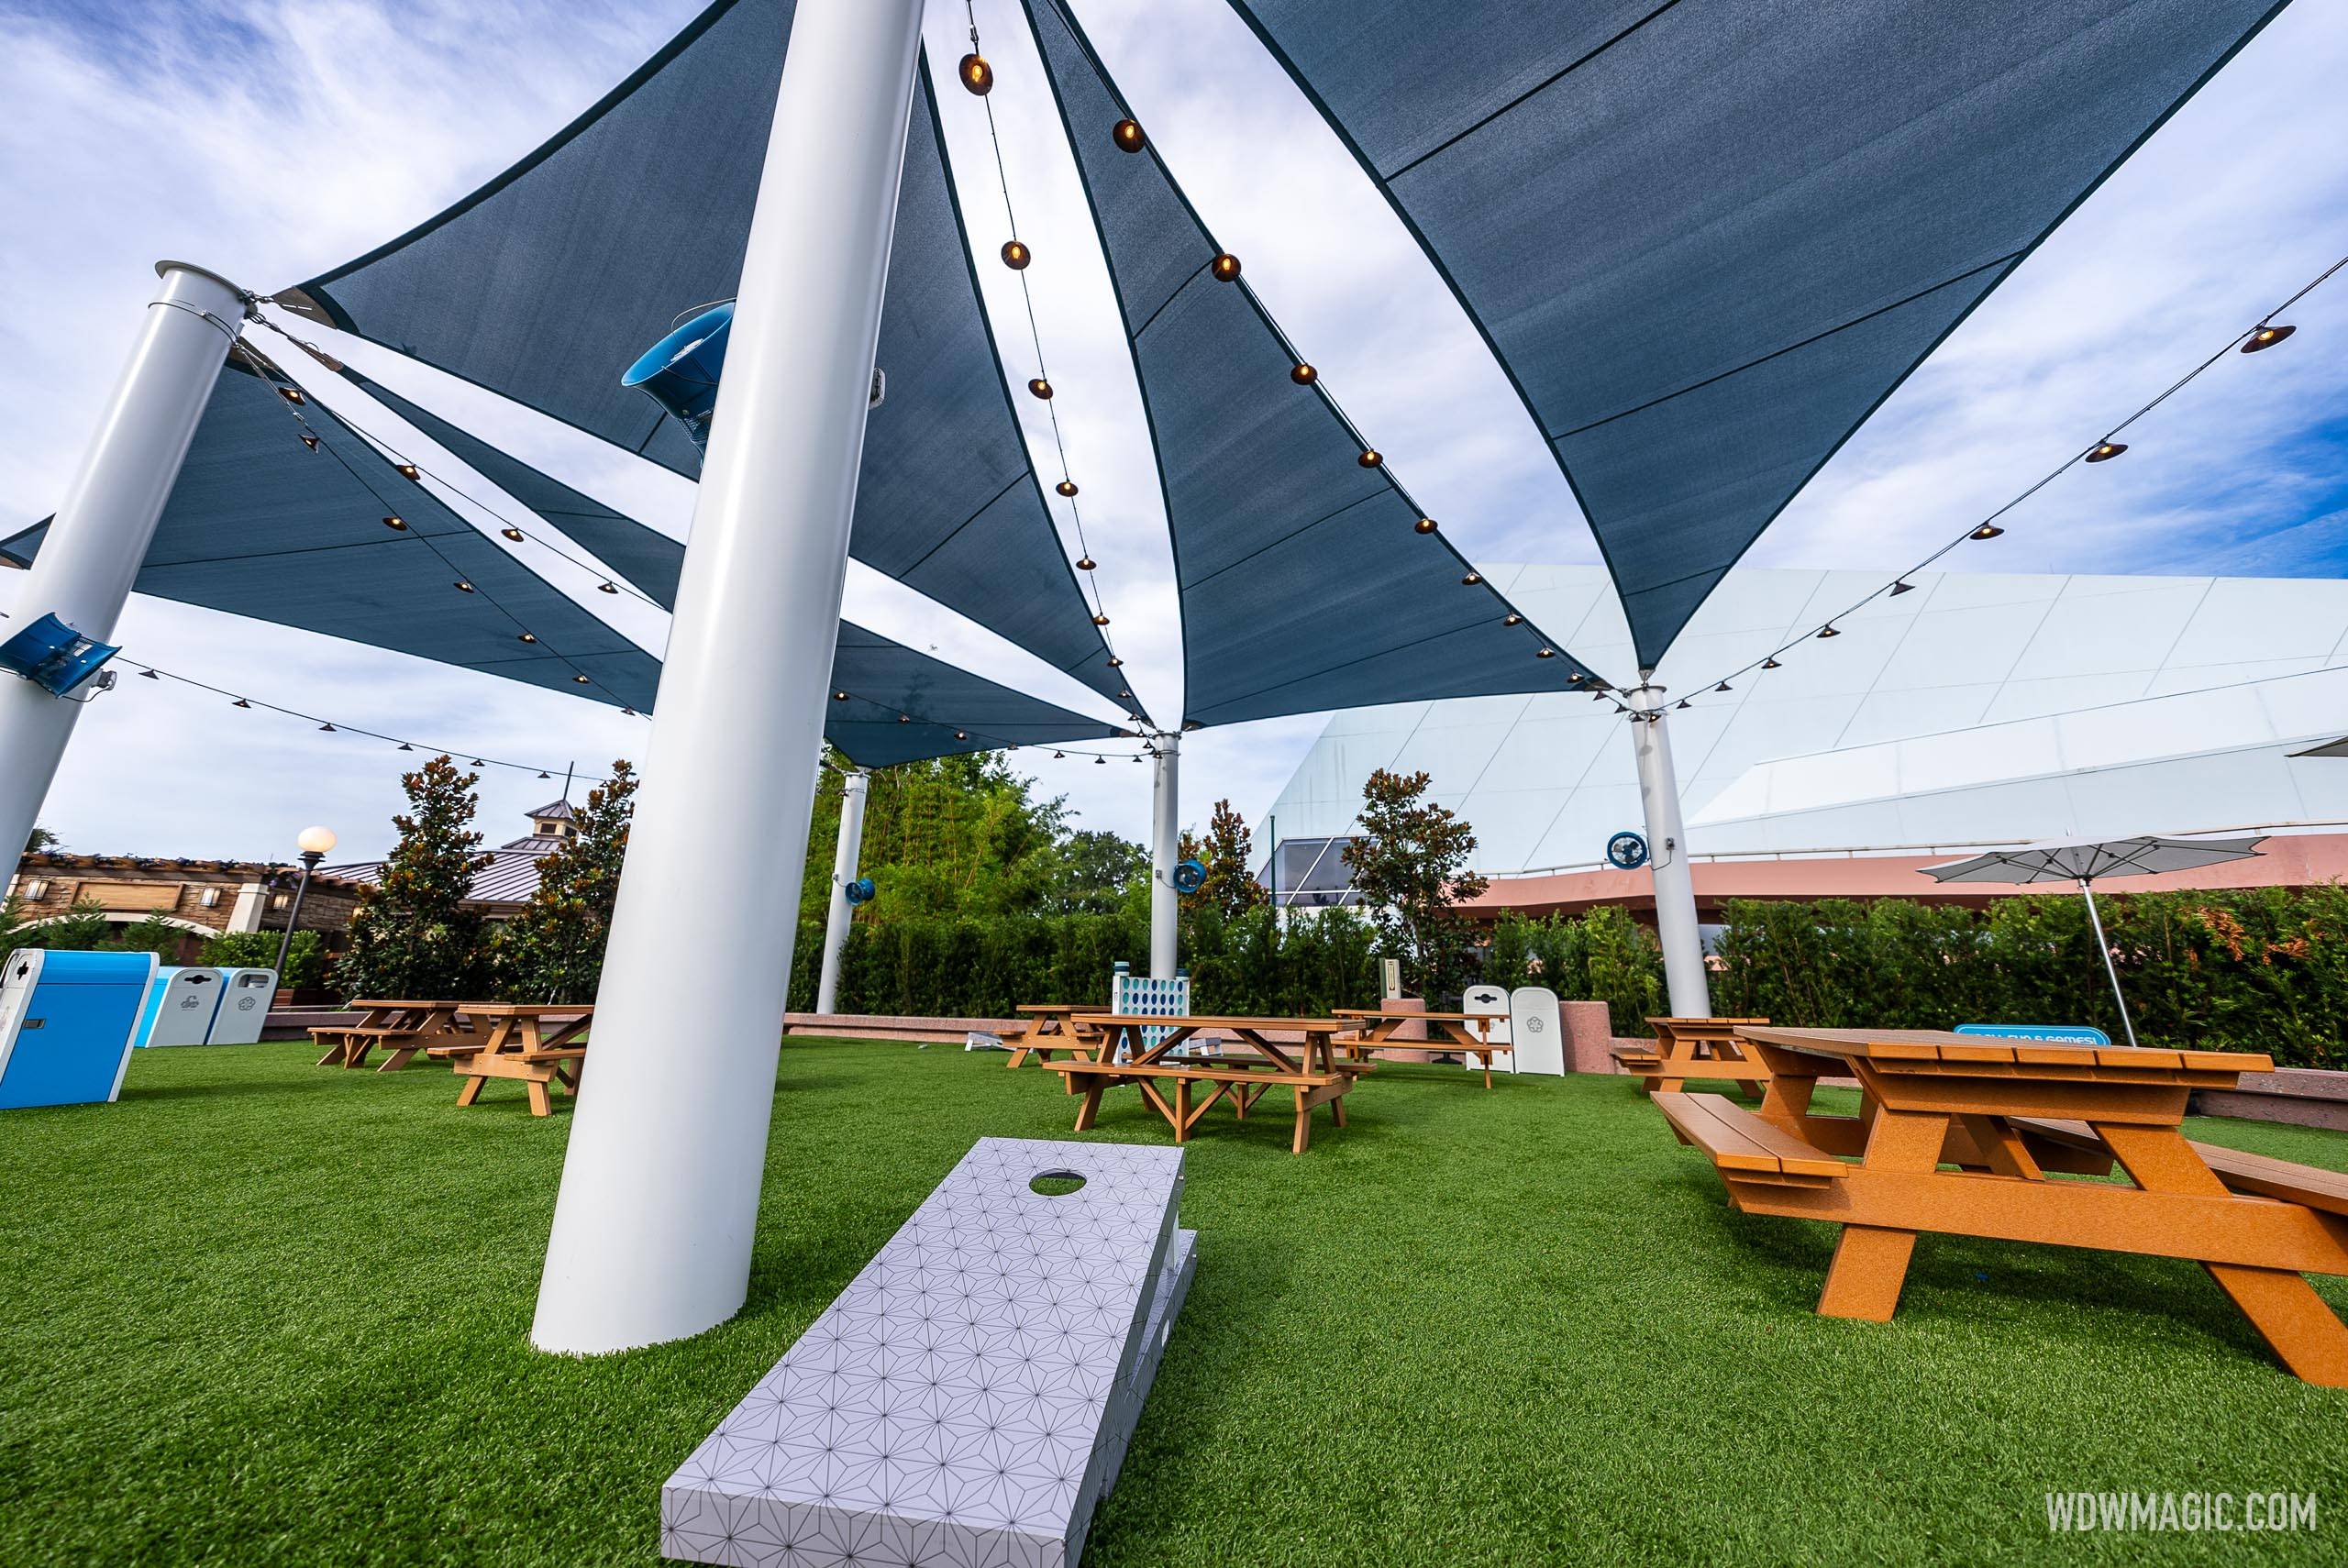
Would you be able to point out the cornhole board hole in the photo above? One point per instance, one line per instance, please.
(969, 1398)
(1536, 1032)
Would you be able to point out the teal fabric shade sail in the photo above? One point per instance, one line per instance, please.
(549, 283)
(261, 525)
(1706, 239)
(1306, 582)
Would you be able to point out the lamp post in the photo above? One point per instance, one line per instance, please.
(315, 843)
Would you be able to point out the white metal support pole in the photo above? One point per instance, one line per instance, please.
(828, 987)
(1673, 880)
(1166, 824)
(2103, 946)
(660, 1196)
(93, 549)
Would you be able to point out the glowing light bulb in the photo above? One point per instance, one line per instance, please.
(976, 74)
(1127, 135)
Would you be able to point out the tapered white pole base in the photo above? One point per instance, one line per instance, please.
(660, 1198)
(93, 551)
(844, 859)
(1166, 825)
(1667, 865)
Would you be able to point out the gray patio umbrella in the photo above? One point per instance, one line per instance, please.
(2088, 861)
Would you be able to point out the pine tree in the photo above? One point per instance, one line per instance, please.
(411, 936)
(1410, 864)
(553, 950)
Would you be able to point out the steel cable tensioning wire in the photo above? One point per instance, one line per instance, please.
(1974, 530)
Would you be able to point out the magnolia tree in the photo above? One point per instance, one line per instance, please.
(1410, 864)
(411, 935)
(1227, 852)
(553, 950)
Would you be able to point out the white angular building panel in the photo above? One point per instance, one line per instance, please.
(1977, 709)
(968, 1399)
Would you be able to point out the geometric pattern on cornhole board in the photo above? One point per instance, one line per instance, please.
(950, 1407)
(1125, 1413)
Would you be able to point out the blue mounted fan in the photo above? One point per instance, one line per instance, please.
(1190, 877)
(861, 891)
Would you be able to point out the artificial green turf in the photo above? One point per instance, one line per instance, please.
(263, 1312)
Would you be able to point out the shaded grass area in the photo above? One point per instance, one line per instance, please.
(262, 1312)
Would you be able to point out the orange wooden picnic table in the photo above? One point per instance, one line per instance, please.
(1688, 1048)
(1058, 1026)
(401, 1028)
(1308, 1068)
(2005, 1114)
(536, 1043)
(1462, 1033)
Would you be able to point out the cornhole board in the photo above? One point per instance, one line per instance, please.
(970, 1396)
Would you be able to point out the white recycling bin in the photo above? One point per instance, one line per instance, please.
(246, 995)
(1492, 1002)
(1536, 1031)
(180, 1005)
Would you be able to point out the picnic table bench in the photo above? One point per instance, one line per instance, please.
(1463, 1034)
(536, 1043)
(1312, 1072)
(1058, 1026)
(2005, 1114)
(402, 1028)
(1688, 1048)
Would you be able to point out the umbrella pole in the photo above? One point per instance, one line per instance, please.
(2104, 947)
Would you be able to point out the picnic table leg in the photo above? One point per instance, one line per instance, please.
(541, 1102)
(1303, 1137)
(1181, 1110)
(2305, 1334)
(334, 1054)
(1089, 1109)
(1871, 1262)
(471, 1091)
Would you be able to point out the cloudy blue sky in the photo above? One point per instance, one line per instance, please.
(272, 139)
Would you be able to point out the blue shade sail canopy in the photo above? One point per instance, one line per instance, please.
(646, 556)
(1305, 582)
(549, 283)
(261, 524)
(1706, 238)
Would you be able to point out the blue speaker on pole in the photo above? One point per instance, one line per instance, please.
(861, 891)
(1188, 878)
(681, 371)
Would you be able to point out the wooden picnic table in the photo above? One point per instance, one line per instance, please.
(1464, 1034)
(1688, 1048)
(2005, 1113)
(402, 1028)
(1312, 1071)
(536, 1043)
(1058, 1026)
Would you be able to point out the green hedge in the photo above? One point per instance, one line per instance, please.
(984, 967)
(2259, 969)
(2262, 970)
